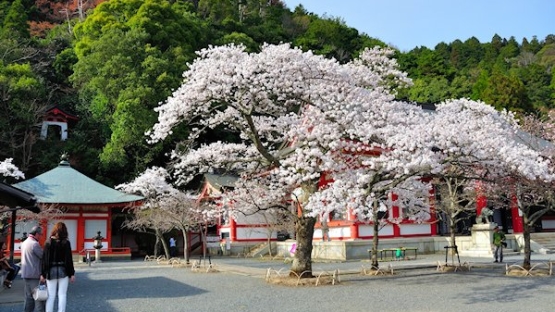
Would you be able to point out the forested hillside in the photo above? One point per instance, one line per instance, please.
(111, 62)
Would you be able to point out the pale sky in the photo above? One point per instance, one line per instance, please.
(407, 24)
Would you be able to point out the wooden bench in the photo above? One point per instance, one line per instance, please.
(393, 251)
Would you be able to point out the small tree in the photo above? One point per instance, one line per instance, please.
(153, 187)
(187, 214)
(152, 221)
(166, 207)
(456, 199)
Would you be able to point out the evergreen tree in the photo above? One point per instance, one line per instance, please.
(15, 21)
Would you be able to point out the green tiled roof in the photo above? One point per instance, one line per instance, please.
(65, 185)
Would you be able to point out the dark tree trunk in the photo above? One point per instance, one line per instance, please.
(157, 247)
(453, 238)
(186, 252)
(375, 242)
(160, 238)
(526, 235)
(375, 237)
(302, 261)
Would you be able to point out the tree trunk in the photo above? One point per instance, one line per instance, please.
(453, 239)
(160, 236)
(526, 235)
(156, 247)
(302, 261)
(269, 242)
(375, 242)
(186, 253)
(203, 231)
(375, 237)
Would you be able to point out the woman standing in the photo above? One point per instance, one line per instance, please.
(57, 267)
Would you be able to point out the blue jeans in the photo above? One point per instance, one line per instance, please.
(498, 253)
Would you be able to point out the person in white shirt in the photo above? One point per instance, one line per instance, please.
(31, 255)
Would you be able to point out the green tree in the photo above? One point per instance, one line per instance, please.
(480, 85)
(130, 55)
(536, 78)
(330, 37)
(461, 86)
(15, 21)
(239, 38)
(510, 50)
(21, 93)
(429, 90)
(506, 91)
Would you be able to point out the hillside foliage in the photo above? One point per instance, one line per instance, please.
(111, 62)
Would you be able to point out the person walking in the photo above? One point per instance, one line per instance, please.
(173, 247)
(31, 255)
(498, 243)
(57, 267)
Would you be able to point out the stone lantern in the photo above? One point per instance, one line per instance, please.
(97, 246)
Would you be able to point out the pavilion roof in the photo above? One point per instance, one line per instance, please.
(65, 185)
(12, 197)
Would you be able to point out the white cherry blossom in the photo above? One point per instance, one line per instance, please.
(8, 169)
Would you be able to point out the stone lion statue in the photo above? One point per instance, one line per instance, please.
(484, 217)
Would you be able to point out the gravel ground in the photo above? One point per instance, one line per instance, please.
(148, 287)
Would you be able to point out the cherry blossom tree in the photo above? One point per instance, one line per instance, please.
(534, 197)
(299, 116)
(166, 207)
(8, 169)
(476, 143)
(149, 216)
(470, 138)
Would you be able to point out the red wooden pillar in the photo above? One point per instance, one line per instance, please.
(353, 226)
(518, 226)
(80, 230)
(481, 199)
(395, 214)
(108, 236)
(232, 230)
(433, 219)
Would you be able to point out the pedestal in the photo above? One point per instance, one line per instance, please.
(482, 237)
(97, 255)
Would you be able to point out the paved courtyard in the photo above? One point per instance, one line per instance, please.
(137, 286)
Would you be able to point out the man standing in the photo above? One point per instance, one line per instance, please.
(173, 247)
(498, 242)
(31, 255)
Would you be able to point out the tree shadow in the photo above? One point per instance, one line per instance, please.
(89, 294)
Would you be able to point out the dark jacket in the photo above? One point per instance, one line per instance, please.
(57, 253)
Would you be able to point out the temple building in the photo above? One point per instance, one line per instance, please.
(87, 207)
(57, 121)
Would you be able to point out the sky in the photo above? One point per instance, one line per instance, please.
(406, 24)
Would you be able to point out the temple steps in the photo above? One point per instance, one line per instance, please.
(545, 242)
